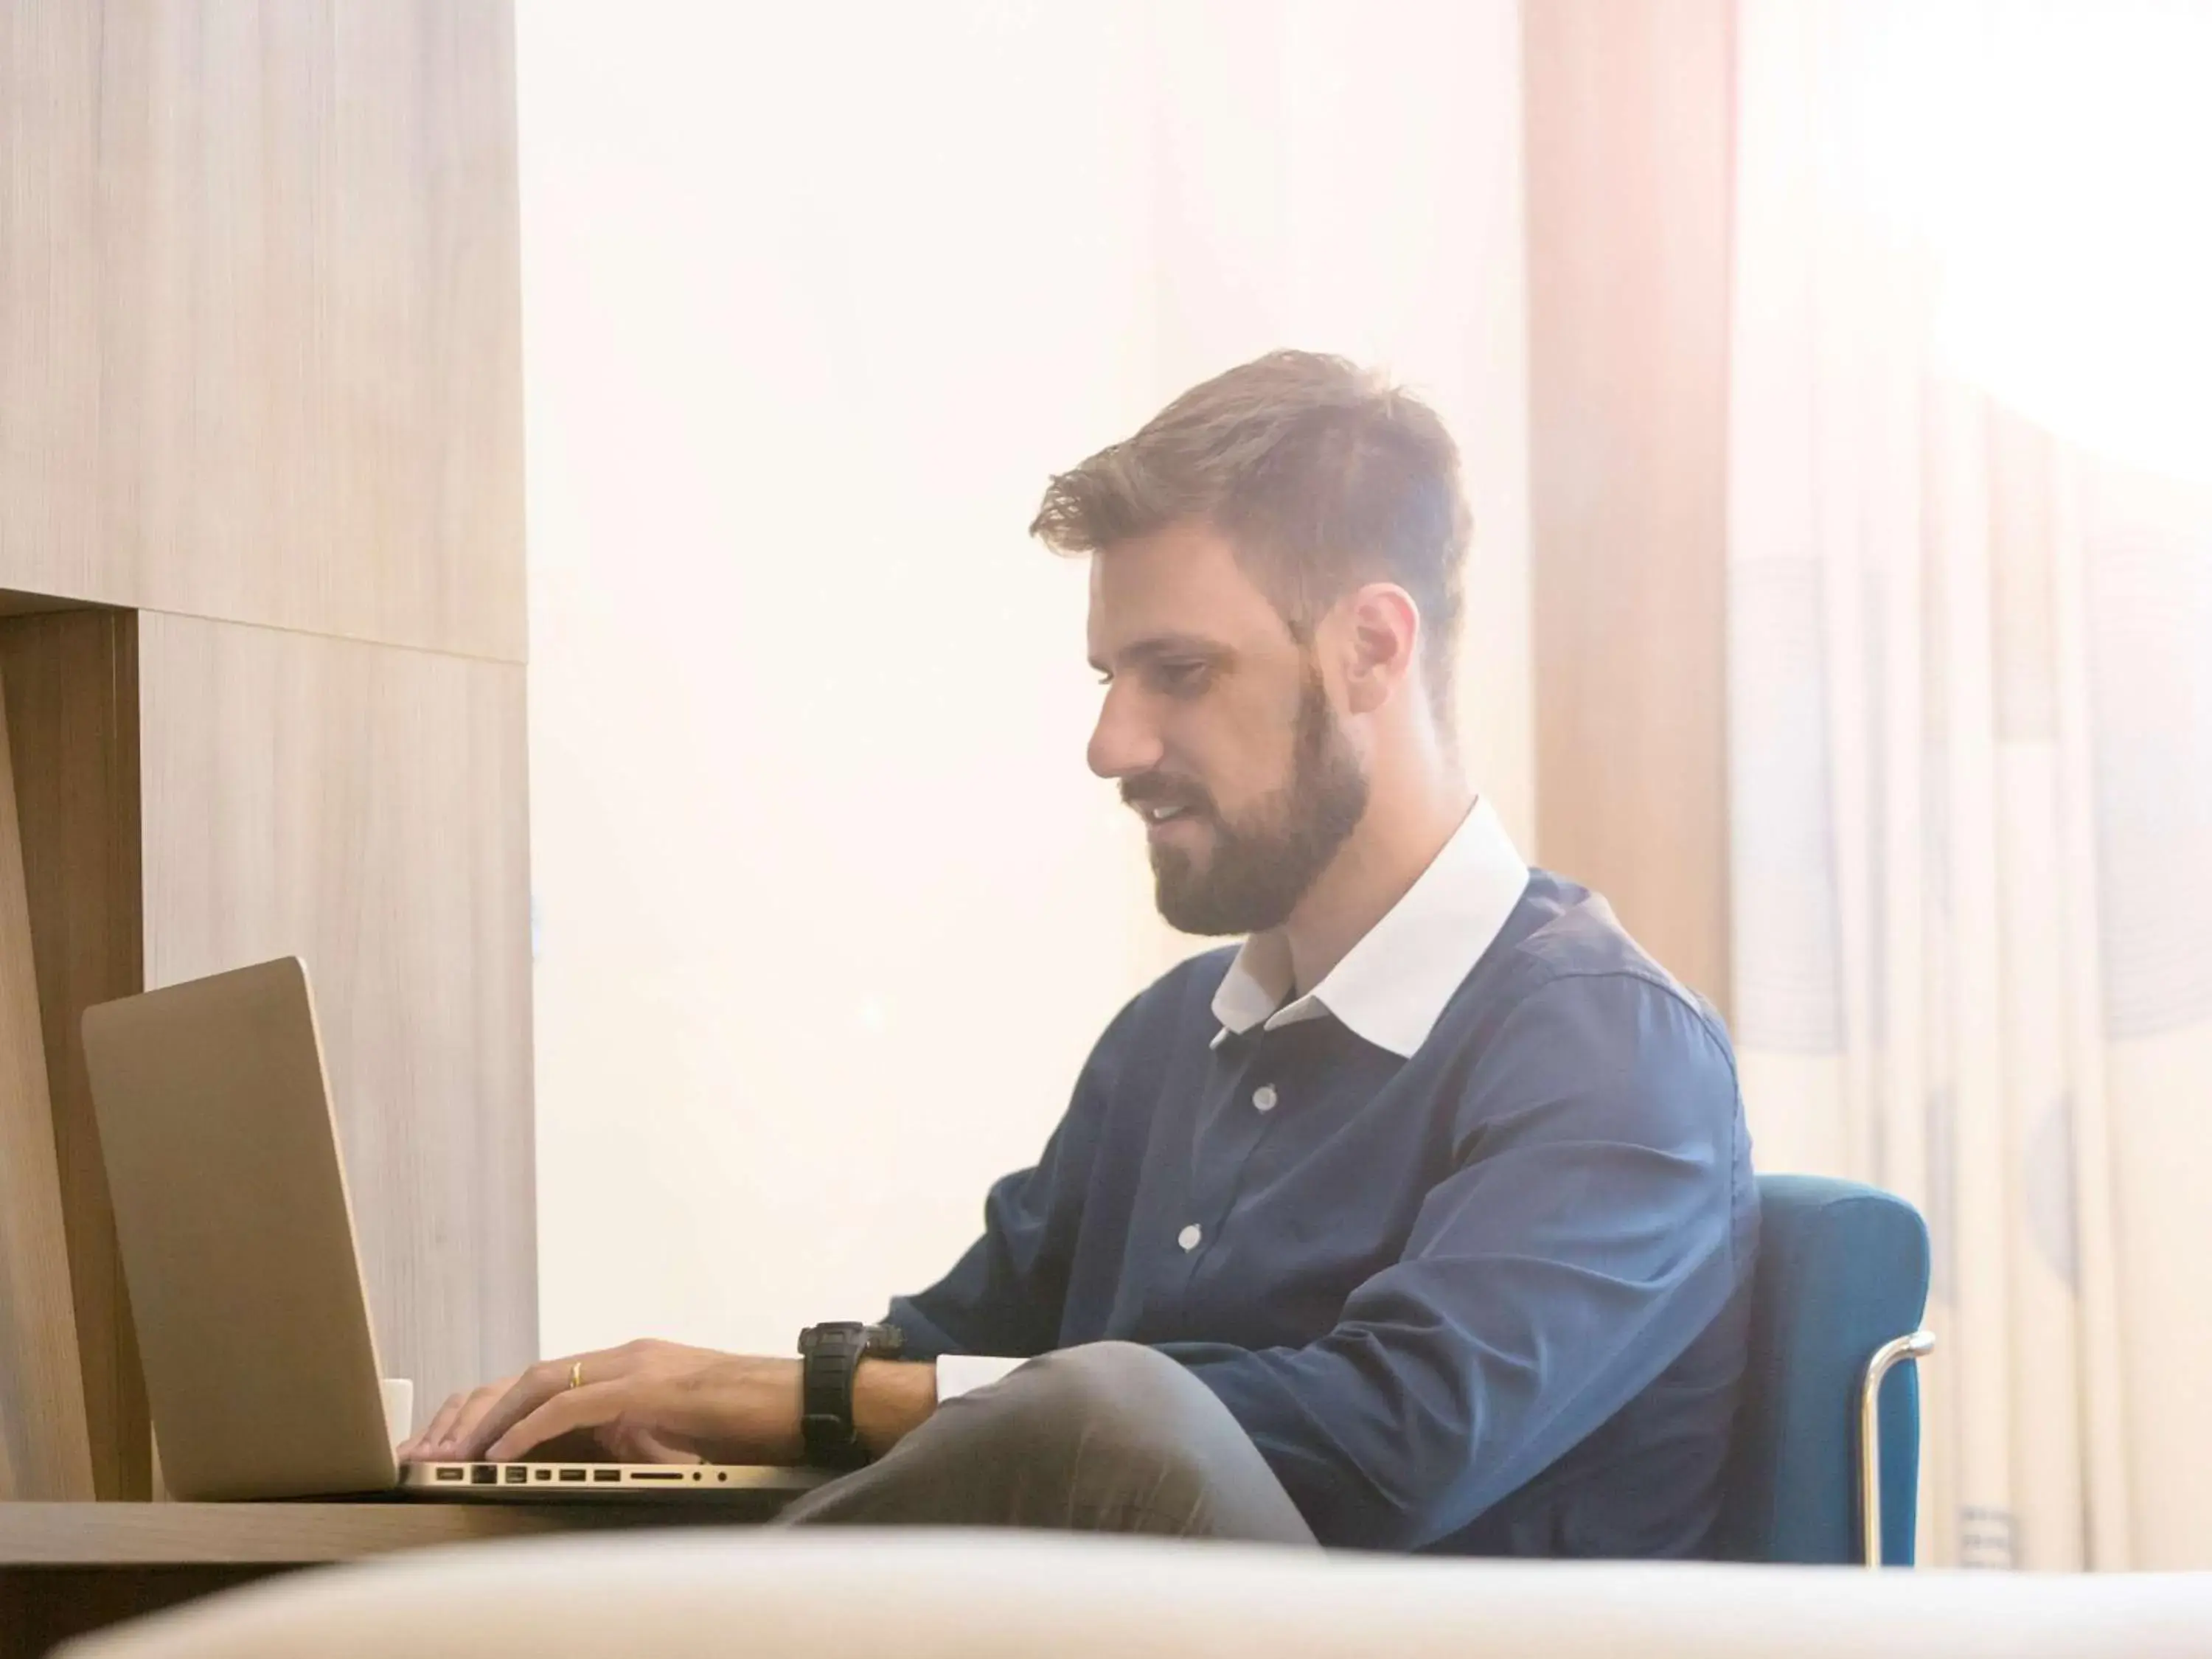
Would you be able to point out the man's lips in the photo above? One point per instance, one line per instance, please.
(1180, 819)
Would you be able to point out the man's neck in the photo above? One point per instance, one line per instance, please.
(1396, 840)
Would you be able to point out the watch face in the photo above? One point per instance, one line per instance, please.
(885, 1342)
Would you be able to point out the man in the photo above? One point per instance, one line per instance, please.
(1424, 1220)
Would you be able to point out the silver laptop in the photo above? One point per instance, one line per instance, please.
(237, 1240)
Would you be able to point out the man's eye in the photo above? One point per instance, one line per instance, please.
(1180, 679)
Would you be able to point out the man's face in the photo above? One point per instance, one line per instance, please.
(1219, 726)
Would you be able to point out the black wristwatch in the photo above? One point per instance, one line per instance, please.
(833, 1354)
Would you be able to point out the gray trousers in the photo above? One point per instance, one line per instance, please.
(1106, 1437)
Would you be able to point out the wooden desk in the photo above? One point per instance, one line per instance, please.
(66, 1569)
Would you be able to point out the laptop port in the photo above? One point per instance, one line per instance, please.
(484, 1474)
(516, 1474)
(572, 1474)
(656, 1474)
(453, 1474)
(542, 1474)
(606, 1474)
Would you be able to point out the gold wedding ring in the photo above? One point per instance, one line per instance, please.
(576, 1375)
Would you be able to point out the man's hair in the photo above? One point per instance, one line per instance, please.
(1321, 474)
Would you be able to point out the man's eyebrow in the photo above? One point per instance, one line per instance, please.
(1156, 646)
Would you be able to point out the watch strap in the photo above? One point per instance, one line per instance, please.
(831, 1354)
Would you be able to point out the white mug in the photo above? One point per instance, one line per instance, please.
(399, 1394)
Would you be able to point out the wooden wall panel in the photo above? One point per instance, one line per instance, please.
(44, 1452)
(363, 807)
(72, 709)
(261, 313)
(1627, 108)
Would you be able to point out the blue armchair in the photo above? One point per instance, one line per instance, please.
(1826, 1462)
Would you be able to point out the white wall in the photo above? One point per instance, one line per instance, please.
(815, 297)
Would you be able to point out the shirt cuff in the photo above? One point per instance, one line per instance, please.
(962, 1373)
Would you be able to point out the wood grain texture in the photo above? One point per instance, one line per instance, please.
(43, 1453)
(72, 721)
(1628, 118)
(36, 1535)
(260, 313)
(68, 1569)
(142, 1534)
(363, 807)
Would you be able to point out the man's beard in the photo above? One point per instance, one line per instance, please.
(1265, 863)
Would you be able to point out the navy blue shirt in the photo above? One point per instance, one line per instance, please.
(1488, 1297)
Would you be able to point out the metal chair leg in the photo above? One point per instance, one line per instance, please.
(1917, 1347)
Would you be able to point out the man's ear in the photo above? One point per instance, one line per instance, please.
(1383, 639)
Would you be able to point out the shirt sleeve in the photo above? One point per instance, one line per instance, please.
(1003, 1296)
(1586, 1235)
(964, 1373)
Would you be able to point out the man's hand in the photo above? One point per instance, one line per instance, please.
(660, 1402)
(644, 1402)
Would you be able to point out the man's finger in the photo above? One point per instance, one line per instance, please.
(645, 1446)
(447, 1415)
(472, 1411)
(532, 1389)
(592, 1406)
(426, 1442)
(517, 1400)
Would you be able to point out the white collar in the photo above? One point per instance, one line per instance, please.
(1392, 986)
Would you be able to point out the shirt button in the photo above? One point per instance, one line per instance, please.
(1263, 1097)
(1188, 1236)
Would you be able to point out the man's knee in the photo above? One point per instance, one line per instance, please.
(1102, 1394)
(1103, 1375)
(1109, 1436)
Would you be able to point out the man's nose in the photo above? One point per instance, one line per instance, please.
(1125, 742)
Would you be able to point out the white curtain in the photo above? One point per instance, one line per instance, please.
(1970, 695)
